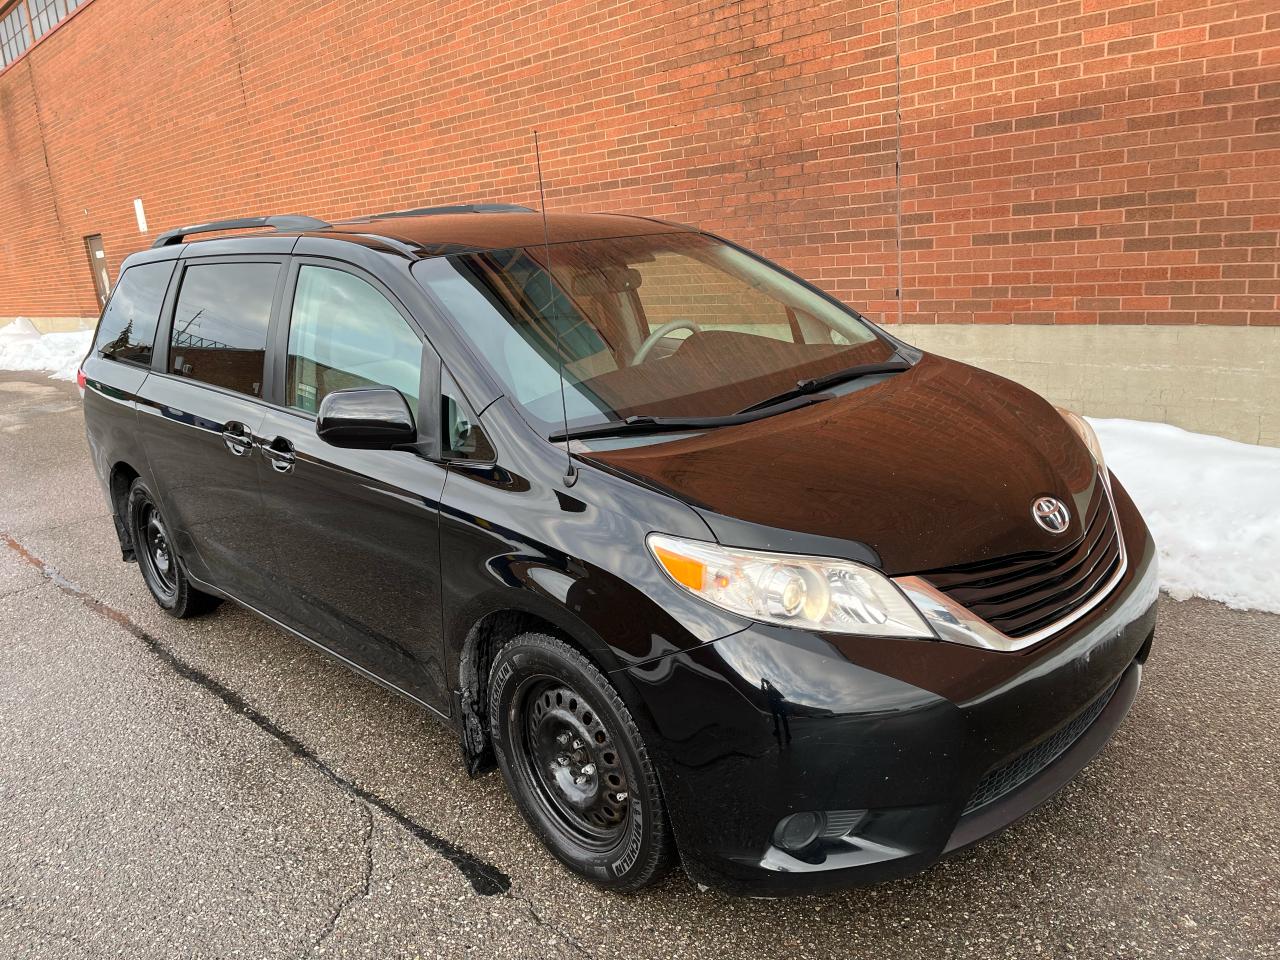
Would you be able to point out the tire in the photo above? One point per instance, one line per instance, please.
(157, 560)
(553, 717)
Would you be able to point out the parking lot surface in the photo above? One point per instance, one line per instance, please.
(215, 788)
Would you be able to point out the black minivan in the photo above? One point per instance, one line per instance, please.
(705, 563)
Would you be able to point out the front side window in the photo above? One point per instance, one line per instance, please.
(220, 324)
(679, 325)
(344, 333)
(127, 330)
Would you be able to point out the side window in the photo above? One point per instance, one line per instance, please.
(220, 324)
(127, 330)
(344, 333)
(461, 437)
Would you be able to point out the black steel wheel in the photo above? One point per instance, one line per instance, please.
(154, 552)
(157, 559)
(575, 763)
(569, 755)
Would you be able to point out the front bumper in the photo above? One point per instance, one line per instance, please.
(769, 722)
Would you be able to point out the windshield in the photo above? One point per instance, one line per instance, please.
(670, 325)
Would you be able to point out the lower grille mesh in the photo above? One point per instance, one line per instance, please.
(1009, 776)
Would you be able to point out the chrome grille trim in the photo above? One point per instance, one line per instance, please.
(955, 623)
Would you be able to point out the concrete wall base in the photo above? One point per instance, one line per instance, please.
(1219, 380)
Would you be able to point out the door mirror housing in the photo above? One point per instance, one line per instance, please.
(366, 418)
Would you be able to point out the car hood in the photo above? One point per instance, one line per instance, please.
(930, 468)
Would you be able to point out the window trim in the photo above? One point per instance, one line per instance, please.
(22, 35)
(160, 355)
(32, 40)
(48, 9)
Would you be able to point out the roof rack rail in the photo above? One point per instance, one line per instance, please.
(456, 208)
(179, 234)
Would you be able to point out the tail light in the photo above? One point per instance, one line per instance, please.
(81, 381)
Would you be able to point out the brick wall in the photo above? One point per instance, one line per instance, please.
(1093, 161)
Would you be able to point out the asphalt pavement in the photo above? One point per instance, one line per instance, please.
(215, 788)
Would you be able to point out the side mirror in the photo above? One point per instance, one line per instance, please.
(366, 418)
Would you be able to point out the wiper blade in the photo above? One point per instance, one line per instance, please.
(807, 387)
(639, 425)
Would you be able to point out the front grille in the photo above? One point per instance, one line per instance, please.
(1022, 593)
(1009, 776)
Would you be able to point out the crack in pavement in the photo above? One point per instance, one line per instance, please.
(18, 591)
(387, 883)
(362, 890)
(485, 879)
(547, 924)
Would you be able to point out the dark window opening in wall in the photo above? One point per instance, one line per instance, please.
(98, 267)
(47, 14)
(14, 37)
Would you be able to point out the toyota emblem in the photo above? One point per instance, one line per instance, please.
(1051, 513)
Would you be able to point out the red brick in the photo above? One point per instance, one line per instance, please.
(1084, 162)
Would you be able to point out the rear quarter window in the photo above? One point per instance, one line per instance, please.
(127, 330)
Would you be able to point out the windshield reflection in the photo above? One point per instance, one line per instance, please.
(668, 325)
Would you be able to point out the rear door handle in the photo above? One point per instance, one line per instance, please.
(238, 439)
(279, 453)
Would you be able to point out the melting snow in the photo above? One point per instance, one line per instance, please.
(23, 347)
(1213, 506)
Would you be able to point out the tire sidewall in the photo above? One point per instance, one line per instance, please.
(140, 496)
(629, 863)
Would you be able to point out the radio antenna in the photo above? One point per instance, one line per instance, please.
(570, 471)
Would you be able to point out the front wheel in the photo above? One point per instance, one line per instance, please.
(575, 764)
(158, 561)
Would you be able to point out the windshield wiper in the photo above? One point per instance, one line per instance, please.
(808, 387)
(638, 425)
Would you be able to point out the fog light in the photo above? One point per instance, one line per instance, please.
(798, 830)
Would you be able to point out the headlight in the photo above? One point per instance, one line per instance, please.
(1085, 432)
(834, 596)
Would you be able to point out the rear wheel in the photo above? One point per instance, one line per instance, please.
(575, 763)
(153, 548)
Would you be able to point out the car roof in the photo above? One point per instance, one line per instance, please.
(428, 233)
(455, 232)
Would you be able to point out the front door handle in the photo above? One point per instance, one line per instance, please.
(238, 439)
(279, 453)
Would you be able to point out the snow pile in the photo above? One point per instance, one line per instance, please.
(1212, 507)
(23, 347)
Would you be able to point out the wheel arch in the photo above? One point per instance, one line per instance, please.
(119, 480)
(488, 632)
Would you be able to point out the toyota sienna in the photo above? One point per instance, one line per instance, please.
(710, 567)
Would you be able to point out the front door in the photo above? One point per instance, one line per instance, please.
(357, 531)
(198, 416)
